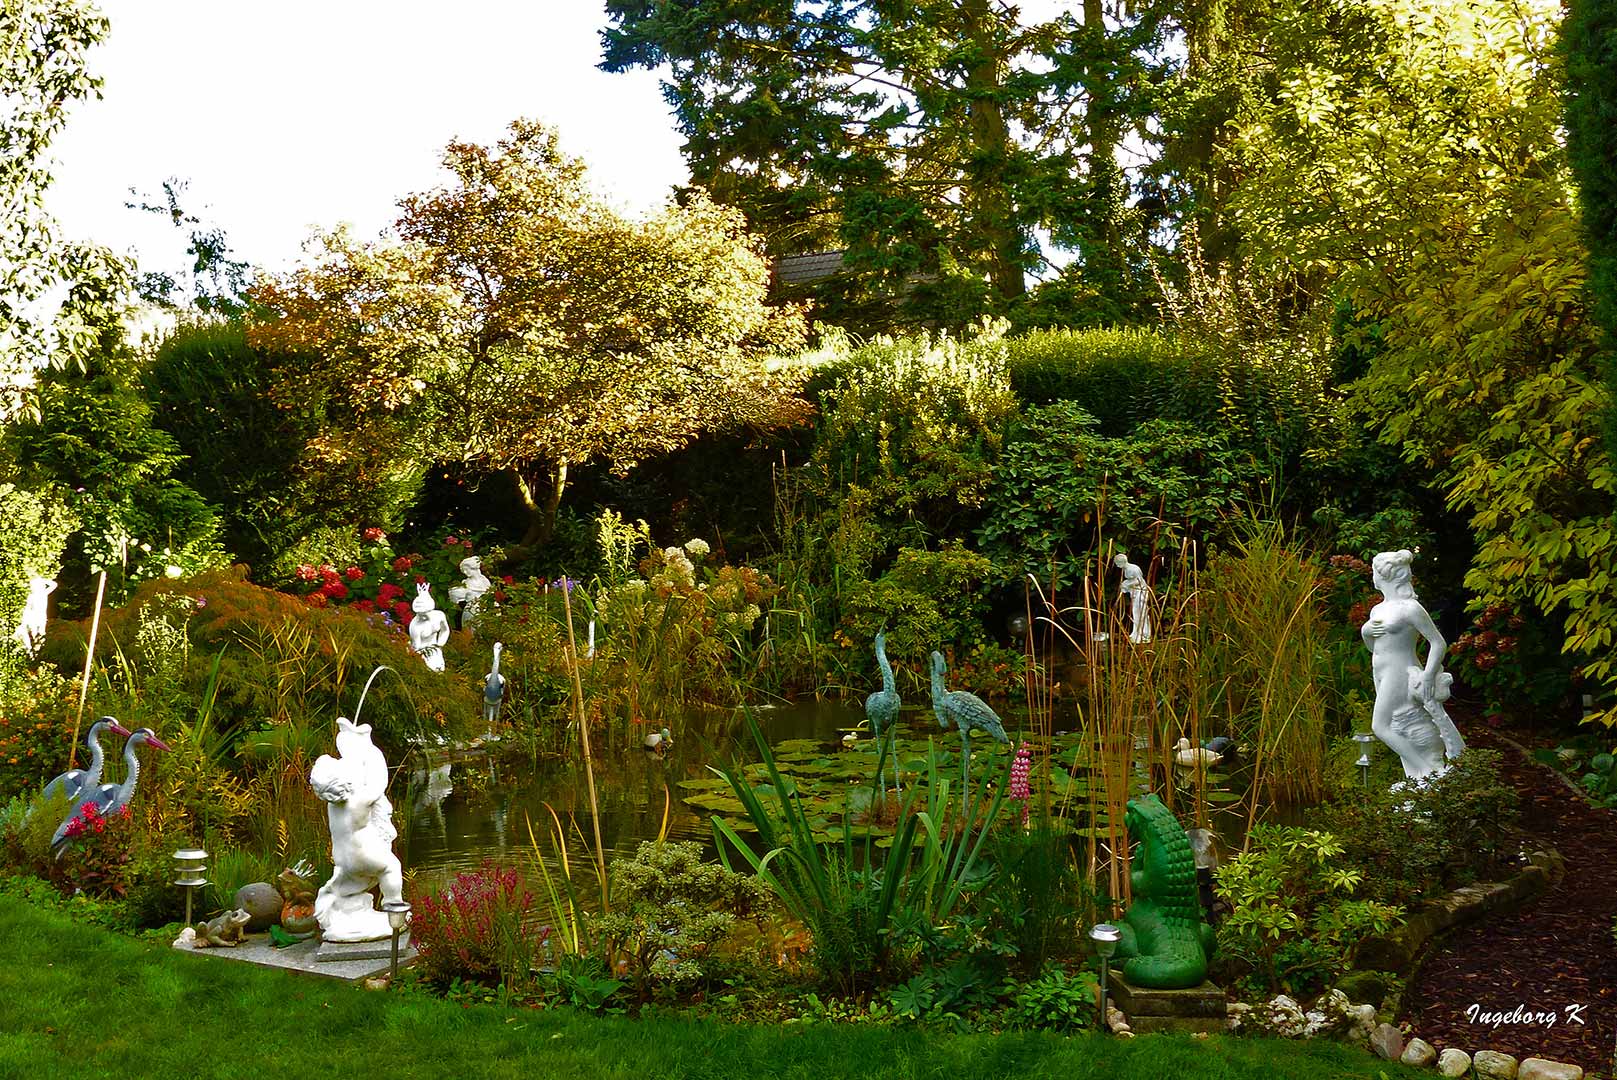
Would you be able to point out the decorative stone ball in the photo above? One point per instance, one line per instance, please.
(299, 919)
(262, 901)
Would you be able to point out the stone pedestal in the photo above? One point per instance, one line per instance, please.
(338, 952)
(1200, 1009)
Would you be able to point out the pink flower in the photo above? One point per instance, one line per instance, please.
(305, 572)
(451, 542)
(353, 573)
(336, 590)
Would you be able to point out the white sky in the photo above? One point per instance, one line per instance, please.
(296, 114)
(299, 114)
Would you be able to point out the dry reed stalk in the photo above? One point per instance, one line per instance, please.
(584, 739)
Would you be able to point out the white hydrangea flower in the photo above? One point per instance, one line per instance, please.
(697, 548)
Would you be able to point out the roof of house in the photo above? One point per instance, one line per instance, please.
(802, 269)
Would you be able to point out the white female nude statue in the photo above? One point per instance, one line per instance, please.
(1139, 597)
(1409, 715)
(354, 786)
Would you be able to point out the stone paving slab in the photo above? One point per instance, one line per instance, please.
(302, 957)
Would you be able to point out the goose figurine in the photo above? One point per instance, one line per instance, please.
(75, 783)
(1199, 757)
(108, 799)
(658, 742)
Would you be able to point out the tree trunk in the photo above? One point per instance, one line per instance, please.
(541, 507)
(988, 198)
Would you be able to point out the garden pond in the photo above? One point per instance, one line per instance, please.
(461, 808)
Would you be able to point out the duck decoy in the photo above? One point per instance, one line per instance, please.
(658, 742)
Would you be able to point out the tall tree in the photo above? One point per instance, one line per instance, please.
(924, 137)
(1416, 172)
(1589, 38)
(516, 324)
(53, 296)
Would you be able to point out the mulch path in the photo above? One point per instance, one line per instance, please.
(1554, 952)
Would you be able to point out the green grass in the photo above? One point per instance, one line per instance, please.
(77, 1001)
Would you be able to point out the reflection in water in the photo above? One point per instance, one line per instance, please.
(469, 808)
(484, 812)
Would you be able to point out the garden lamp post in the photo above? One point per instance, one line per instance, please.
(1105, 938)
(189, 865)
(398, 917)
(1365, 740)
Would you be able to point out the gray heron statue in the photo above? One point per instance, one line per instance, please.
(965, 711)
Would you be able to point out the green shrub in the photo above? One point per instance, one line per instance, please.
(285, 669)
(1122, 378)
(1296, 912)
(1456, 831)
(1055, 1001)
(1059, 481)
(210, 391)
(1036, 898)
(929, 599)
(669, 909)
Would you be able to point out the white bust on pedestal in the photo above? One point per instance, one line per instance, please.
(354, 786)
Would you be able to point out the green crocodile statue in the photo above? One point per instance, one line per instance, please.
(1164, 941)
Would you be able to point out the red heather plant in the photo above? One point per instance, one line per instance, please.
(475, 929)
(101, 848)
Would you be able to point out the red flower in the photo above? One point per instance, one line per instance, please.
(499, 596)
(305, 572)
(364, 605)
(334, 589)
(450, 541)
(353, 573)
(507, 578)
(402, 563)
(373, 535)
(401, 611)
(419, 578)
(387, 592)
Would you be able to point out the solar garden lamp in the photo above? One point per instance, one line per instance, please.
(1105, 937)
(398, 917)
(1365, 740)
(189, 866)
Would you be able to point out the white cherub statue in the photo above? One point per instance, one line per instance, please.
(429, 630)
(354, 788)
(471, 590)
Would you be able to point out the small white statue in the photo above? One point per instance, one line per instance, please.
(1409, 715)
(31, 629)
(429, 630)
(354, 786)
(471, 590)
(1139, 594)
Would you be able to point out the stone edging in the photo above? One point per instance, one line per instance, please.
(1397, 951)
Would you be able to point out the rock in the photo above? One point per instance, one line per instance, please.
(1452, 1062)
(1363, 988)
(1418, 1053)
(1387, 1042)
(1492, 1065)
(1544, 1069)
(262, 902)
(186, 940)
(1281, 1017)
(378, 982)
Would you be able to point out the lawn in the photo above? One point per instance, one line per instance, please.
(78, 1001)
